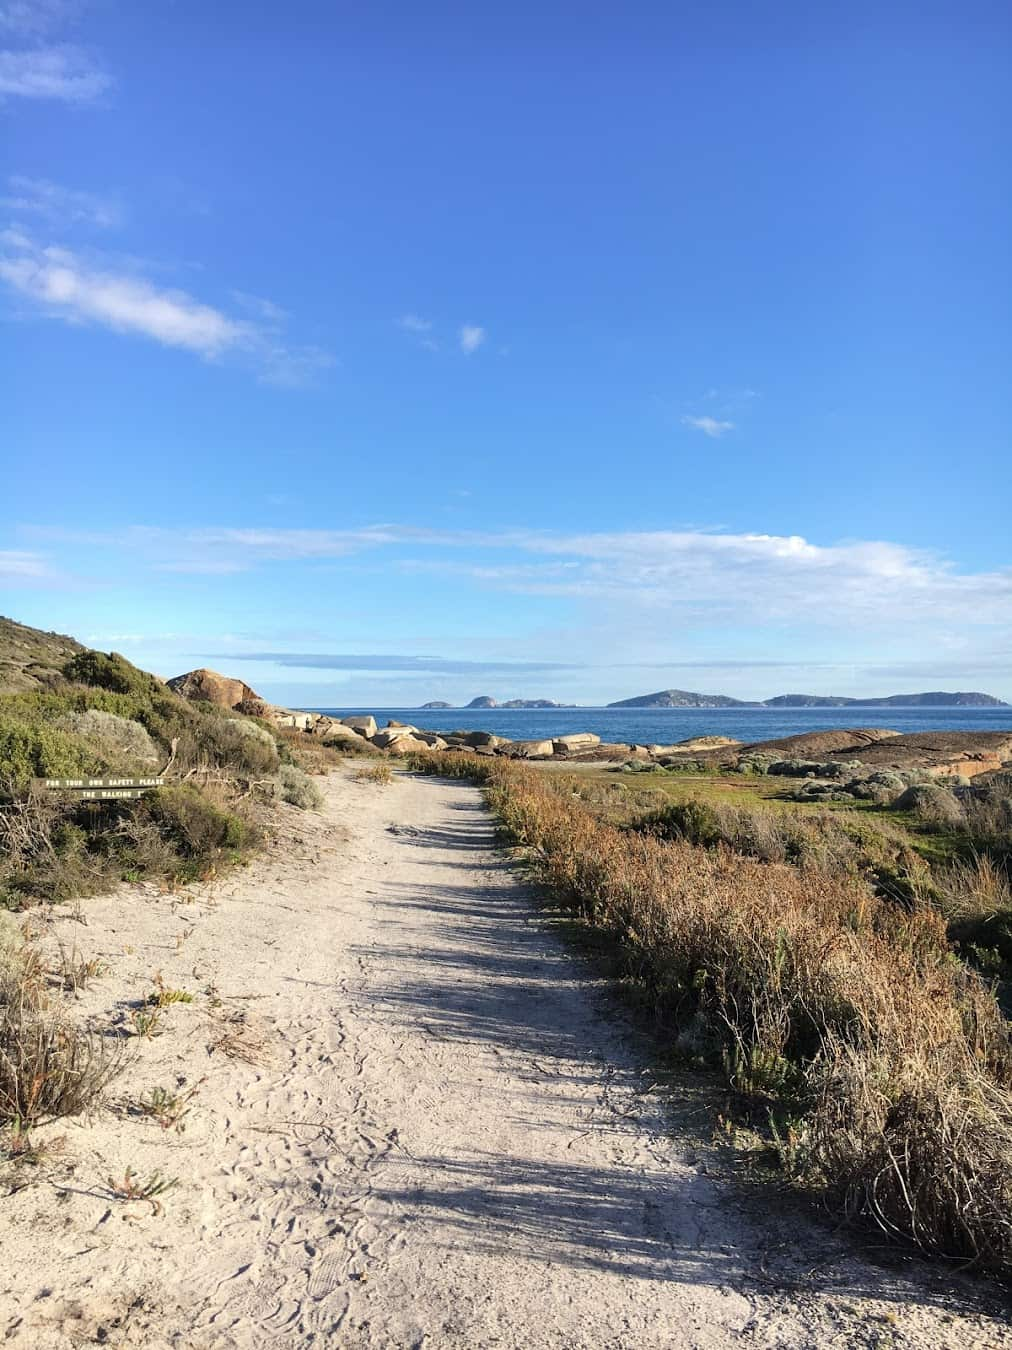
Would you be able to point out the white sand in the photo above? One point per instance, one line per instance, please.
(453, 1142)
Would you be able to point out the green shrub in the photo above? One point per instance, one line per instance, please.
(931, 804)
(298, 789)
(114, 717)
(219, 741)
(344, 745)
(33, 748)
(201, 828)
(116, 739)
(109, 670)
(695, 821)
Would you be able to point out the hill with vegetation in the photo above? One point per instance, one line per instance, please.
(67, 711)
(935, 699)
(682, 698)
(685, 698)
(32, 659)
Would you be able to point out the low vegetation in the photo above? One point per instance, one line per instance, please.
(841, 1017)
(48, 1066)
(376, 773)
(101, 715)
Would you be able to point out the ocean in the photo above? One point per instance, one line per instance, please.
(664, 726)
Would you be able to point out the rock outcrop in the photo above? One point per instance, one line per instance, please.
(207, 686)
(365, 726)
(573, 744)
(531, 750)
(940, 753)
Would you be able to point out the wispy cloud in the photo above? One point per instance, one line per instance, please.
(62, 284)
(385, 661)
(25, 569)
(707, 579)
(709, 426)
(63, 72)
(411, 323)
(62, 205)
(15, 564)
(471, 337)
(33, 18)
(261, 308)
(39, 69)
(419, 330)
(224, 551)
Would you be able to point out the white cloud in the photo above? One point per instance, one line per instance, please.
(713, 579)
(64, 285)
(709, 426)
(411, 323)
(38, 196)
(60, 72)
(471, 337)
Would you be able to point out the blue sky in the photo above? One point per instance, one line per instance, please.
(385, 353)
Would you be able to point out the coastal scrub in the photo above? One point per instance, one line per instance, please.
(882, 1062)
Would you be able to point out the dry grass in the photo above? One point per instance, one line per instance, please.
(375, 773)
(844, 1016)
(48, 1067)
(74, 972)
(238, 1038)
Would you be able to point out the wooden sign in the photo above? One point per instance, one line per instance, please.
(101, 789)
(110, 794)
(88, 784)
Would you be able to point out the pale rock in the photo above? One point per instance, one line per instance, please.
(406, 745)
(390, 735)
(530, 750)
(365, 726)
(579, 740)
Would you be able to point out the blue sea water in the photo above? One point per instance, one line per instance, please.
(666, 725)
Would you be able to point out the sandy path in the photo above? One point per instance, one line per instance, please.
(451, 1144)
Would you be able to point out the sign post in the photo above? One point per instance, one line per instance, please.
(101, 789)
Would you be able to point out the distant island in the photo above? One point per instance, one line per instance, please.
(685, 698)
(487, 701)
(682, 698)
(936, 699)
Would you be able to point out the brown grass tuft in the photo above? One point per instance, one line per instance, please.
(375, 773)
(48, 1067)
